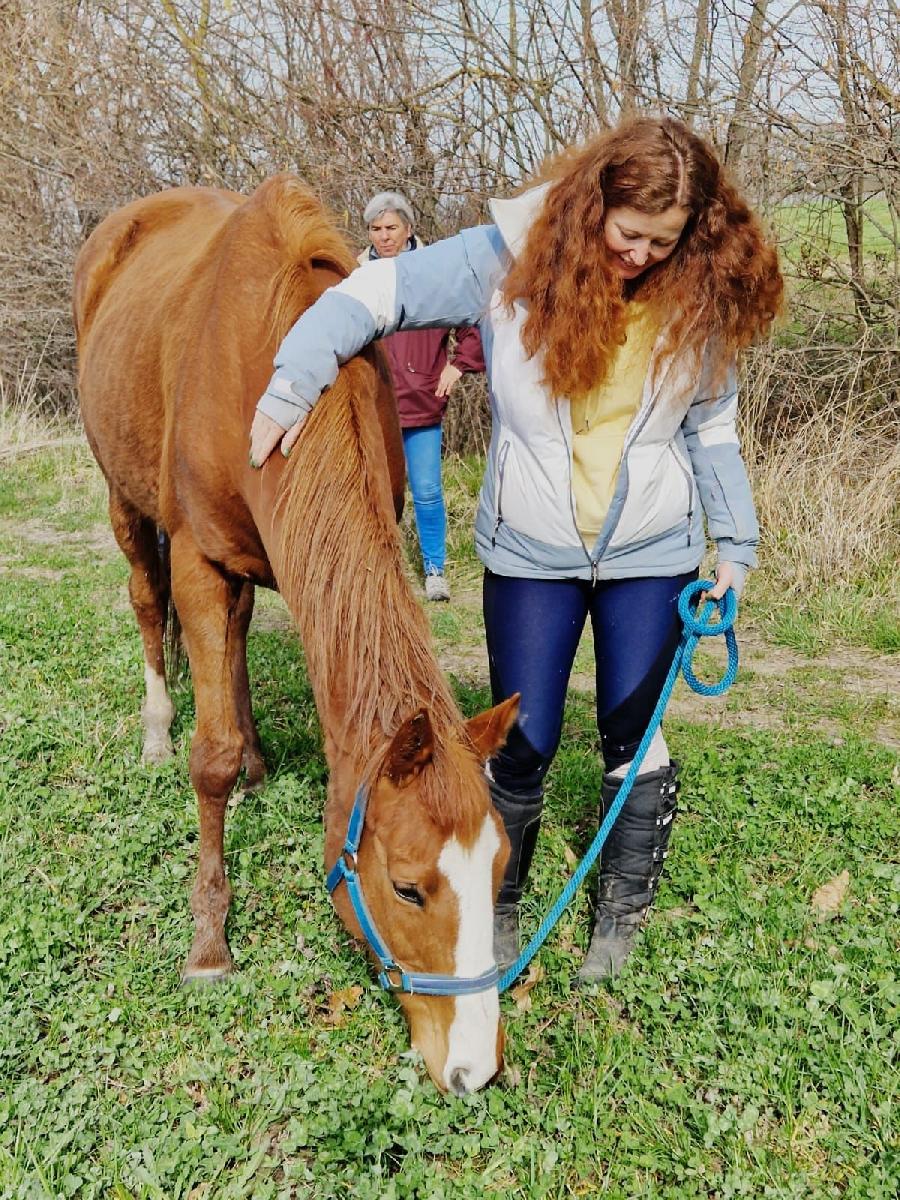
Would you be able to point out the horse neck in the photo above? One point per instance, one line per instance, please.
(366, 639)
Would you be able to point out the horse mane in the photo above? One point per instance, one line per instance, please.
(342, 578)
(341, 570)
(307, 238)
(340, 566)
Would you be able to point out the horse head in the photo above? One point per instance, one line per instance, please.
(428, 853)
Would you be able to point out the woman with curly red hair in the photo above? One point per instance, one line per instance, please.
(613, 296)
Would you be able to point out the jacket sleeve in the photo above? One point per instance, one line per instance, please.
(710, 433)
(444, 285)
(469, 354)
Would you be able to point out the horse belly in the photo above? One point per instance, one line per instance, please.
(123, 414)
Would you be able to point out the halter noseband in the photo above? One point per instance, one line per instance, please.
(392, 977)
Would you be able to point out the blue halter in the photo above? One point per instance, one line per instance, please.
(392, 977)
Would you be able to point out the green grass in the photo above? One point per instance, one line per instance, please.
(863, 615)
(750, 1050)
(819, 226)
(812, 238)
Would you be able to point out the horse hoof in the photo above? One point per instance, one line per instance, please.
(252, 784)
(204, 976)
(157, 751)
(254, 774)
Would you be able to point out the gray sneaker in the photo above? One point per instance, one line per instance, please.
(436, 587)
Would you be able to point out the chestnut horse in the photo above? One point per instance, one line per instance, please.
(180, 301)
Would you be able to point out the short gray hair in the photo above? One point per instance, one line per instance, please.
(389, 202)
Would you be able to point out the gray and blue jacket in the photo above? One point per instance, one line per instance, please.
(680, 460)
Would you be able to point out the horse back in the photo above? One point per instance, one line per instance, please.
(180, 302)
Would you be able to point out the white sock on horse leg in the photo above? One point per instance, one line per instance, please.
(655, 759)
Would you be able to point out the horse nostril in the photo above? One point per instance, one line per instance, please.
(459, 1081)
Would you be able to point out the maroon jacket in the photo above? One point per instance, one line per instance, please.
(416, 358)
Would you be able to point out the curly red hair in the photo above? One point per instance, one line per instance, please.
(721, 281)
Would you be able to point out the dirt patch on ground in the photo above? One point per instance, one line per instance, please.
(97, 540)
(10, 566)
(39, 533)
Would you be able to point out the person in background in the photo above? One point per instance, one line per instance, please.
(613, 296)
(423, 376)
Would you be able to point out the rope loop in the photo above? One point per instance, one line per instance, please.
(700, 624)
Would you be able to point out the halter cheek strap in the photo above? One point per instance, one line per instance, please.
(392, 977)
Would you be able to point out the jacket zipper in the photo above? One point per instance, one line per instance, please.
(501, 466)
(630, 438)
(689, 480)
(587, 552)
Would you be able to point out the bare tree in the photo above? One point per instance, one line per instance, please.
(748, 77)
(451, 100)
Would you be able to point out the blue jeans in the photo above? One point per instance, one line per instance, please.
(533, 627)
(422, 448)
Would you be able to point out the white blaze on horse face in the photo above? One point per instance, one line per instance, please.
(472, 1038)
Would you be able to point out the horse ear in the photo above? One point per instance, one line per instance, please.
(411, 749)
(490, 729)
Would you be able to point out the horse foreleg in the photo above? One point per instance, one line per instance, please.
(148, 589)
(252, 759)
(207, 601)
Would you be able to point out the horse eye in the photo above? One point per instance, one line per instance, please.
(410, 893)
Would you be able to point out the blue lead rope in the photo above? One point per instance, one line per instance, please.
(695, 628)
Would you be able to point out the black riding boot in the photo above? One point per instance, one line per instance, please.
(522, 819)
(630, 866)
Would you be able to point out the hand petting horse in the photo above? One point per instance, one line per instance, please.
(180, 301)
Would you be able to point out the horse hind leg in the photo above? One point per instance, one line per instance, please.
(207, 601)
(149, 591)
(252, 759)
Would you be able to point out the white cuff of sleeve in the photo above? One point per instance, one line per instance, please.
(740, 577)
(282, 404)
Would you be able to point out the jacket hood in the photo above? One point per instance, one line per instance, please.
(514, 217)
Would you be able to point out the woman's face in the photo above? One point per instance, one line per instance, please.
(389, 234)
(637, 241)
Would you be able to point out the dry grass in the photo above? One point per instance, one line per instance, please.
(826, 471)
(27, 424)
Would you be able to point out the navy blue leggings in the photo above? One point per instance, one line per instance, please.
(533, 627)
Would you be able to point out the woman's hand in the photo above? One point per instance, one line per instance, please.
(265, 434)
(449, 378)
(725, 578)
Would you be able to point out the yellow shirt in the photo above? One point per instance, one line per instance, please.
(600, 421)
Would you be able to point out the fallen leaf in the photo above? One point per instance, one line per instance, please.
(520, 993)
(341, 1002)
(828, 899)
(571, 857)
(566, 940)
